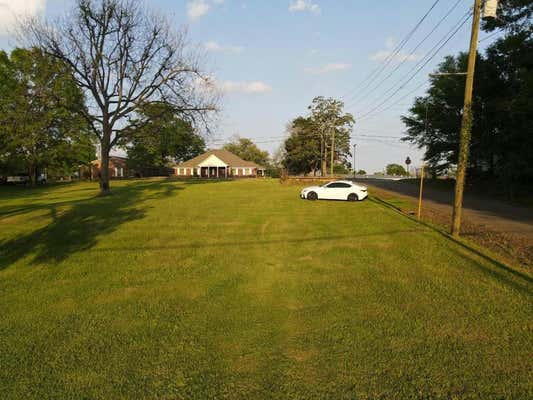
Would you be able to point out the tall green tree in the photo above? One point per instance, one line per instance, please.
(396, 170)
(40, 115)
(502, 132)
(308, 148)
(302, 147)
(165, 138)
(248, 150)
(334, 127)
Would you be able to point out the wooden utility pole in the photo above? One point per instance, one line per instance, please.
(321, 154)
(325, 159)
(466, 124)
(354, 147)
(332, 149)
(421, 189)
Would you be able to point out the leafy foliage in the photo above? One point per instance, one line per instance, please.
(248, 150)
(164, 138)
(302, 147)
(396, 170)
(40, 115)
(309, 145)
(502, 133)
(123, 56)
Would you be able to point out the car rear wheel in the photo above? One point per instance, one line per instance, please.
(312, 196)
(352, 197)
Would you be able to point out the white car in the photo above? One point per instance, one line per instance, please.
(337, 190)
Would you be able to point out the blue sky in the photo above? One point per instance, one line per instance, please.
(271, 58)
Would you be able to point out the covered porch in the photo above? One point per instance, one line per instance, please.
(213, 167)
(213, 172)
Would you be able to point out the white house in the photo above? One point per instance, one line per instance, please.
(218, 164)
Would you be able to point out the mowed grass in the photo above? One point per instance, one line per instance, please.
(239, 290)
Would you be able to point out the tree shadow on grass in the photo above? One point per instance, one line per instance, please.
(505, 274)
(78, 227)
(492, 267)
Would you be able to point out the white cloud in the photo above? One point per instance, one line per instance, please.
(331, 67)
(218, 48)
(252, 87)
(198, 8)
(390, 44)
(11, 9)
(304, 5)
(211, 85)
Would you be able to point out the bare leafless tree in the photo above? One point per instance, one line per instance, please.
(124, 56)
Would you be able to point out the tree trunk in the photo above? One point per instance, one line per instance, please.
(33, 175)
(104, 167)
(324, 162)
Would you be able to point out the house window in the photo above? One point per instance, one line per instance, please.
(119, 172)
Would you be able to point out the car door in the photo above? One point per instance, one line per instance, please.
(331, 191)
(344, 189)
(340, 191)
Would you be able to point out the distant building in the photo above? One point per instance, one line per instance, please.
(117, 167)
(218, 164)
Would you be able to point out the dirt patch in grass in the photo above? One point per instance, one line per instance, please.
(301, 355)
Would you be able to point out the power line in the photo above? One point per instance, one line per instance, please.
(379, 69)
(413, 51)
(394, 104)
(489, 36)
(402, 85)
(359, 136)
(433, 51)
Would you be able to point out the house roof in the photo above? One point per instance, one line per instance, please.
(119, 159)
(227, 157)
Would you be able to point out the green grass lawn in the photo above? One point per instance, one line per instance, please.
(239, 290)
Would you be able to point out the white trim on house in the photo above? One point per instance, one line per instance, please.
(212, 161)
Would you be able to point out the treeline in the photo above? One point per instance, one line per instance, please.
(107, 72)
(502, 130)
(42, 128)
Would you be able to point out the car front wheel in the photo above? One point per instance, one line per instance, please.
(312, 196)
